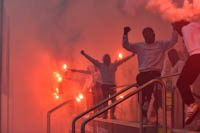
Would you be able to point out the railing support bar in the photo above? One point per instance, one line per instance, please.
(123, 99)
(51, 111)
(126, 97)
(99, 104)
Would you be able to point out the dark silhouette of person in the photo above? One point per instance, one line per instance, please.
(190, 32)
(107, 71)
(150, 55)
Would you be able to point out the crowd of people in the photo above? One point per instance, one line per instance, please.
(151, 57)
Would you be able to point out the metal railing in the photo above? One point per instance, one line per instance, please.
(159, 81)
(51, 111)
(99, 104)
(125, 98)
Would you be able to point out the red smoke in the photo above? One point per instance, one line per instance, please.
(171, 12)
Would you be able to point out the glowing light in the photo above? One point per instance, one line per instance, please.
(78, 99)
(120, 55)
(81, 96)
(64, 66)
(121, 96)
(57, 90)
(60, 79)
(57, 75)
(55, 94)
(57, 97)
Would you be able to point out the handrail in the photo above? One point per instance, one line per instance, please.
(169, 76)
(126, 97)
(52, 110)
(99, 104)
(122, 86)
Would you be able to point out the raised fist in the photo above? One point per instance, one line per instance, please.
(127, 29)
(82, 52)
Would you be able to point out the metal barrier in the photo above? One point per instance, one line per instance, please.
(51, 111)
(159, 81)
(126, 97)
(99, 104)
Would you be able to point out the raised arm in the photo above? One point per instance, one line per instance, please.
(170, 43)
(95, 62)
(80, 71)
(123, 60)
(125, 41)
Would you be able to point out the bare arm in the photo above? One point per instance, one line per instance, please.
(80, 71)
(92, 60)
(123, 60)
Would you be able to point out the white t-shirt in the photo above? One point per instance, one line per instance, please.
(169, 70)
(191, 37)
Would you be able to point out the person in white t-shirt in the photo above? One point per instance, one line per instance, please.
(190, 32)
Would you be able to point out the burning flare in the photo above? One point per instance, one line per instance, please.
(57, 97)
(60, 79)
(57, 90)
(120, 55)
(78, 99)
(65, 67)
(81, 96)
(57, 75)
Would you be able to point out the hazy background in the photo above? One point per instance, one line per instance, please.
(46, 33)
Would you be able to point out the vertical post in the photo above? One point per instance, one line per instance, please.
(156, 100)
(141, 111)
(8, 77)
(164, 109)
(1, 45)
(51, 111)
(48, 123)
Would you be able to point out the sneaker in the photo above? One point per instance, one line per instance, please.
(192, 110)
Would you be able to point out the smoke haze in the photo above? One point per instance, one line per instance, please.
(44, 34)
(170, 10)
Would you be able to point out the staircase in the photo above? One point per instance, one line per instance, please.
(117, 126)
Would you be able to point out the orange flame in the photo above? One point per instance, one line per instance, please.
(81, 96)
(57, 75)
(57, 90)
(60, 79)
(57, 97)
(120, 55)
(65, 67)
(78, 99)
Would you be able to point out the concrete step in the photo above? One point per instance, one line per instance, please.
(100, 125)
(118, 126)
